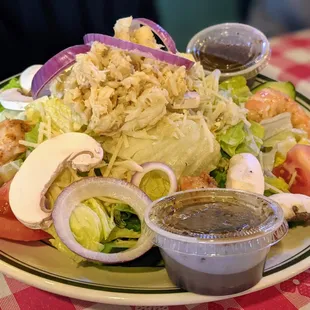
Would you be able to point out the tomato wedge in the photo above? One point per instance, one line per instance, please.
(10, 227)
(296, 167)
(5, 209)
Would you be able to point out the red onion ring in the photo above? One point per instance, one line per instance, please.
(94, 187)
(53, 67)
(160, 32)
(151, 166)
(138, 49)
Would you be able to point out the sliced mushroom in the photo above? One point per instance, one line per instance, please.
(245, 173)
(13, 99)
(27, 76)
(31, 182)
(296, 207)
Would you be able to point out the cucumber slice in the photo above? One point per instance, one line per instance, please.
(285, 87)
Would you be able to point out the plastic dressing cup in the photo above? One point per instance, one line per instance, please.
(215, 241)
(233, 48)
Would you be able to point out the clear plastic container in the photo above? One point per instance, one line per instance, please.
(233, 48)
(224, 249)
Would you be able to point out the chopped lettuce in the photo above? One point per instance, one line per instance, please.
(125, 217)
(107, 221)
(13, 83)
(63, 117)
(8, 170)
(220, 173)
(155, 184)
(32, 135)
(58, 244)
(238, 88)
(188, 151)
(118, 245)
(242, 139)
(276, 185)
(86, 227)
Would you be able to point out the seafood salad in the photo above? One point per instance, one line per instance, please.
(94, 135)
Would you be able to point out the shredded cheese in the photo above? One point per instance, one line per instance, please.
(126, 143)
(292, 180)
(180, 134)
(41, 133)
(28, 144)
(114, 156)
(49, 127)
(206, 131)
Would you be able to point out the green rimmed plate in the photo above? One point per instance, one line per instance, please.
(40, 265)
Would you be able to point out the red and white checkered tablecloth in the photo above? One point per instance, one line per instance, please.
(290, 61)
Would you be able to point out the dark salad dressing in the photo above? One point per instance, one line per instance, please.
(219, 217)
(225, 57)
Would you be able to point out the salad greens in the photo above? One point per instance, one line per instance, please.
(237, 86)
(242, 139)
(96, 222)
(13, 83)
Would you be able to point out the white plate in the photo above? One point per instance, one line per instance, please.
(40, 265)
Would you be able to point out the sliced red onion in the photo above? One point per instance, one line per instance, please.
(138, 49)
(53, 67)
(94, 187)
(160, 32)
(156, 166)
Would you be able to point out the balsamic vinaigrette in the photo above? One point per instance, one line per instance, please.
(225, 57)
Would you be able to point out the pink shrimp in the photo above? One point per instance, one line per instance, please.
(268, 102)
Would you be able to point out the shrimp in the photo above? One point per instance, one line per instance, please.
(202, 181)
(268, 103)
(11, 131)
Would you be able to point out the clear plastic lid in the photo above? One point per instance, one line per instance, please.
(215, 222)
(246, 49)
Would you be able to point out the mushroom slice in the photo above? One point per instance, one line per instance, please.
(13, 99)
(27, 76)
(31, 182)
(296, 207)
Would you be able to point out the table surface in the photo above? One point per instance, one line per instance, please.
(290, 61)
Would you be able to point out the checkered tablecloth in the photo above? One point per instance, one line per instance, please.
(290, 61)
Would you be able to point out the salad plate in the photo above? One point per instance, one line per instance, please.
(144, 282)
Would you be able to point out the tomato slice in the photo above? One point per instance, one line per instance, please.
(5, 209)
(10, 227)
(297, 166)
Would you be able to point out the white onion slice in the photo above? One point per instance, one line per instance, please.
(160, 32)
(94, 187)
(138, 49)
(156, 166)
(53, 67)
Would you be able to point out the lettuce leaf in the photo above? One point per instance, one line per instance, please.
(238, 88)
(60, 246)
(193, 151)
(32, 135)
(106, 220)
(155, 184)
(242, 139)
(13, 83)
(276, 185)
(118, 245)
(86, 227)
(63, 118)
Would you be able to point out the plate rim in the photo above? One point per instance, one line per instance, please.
(146, 299)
